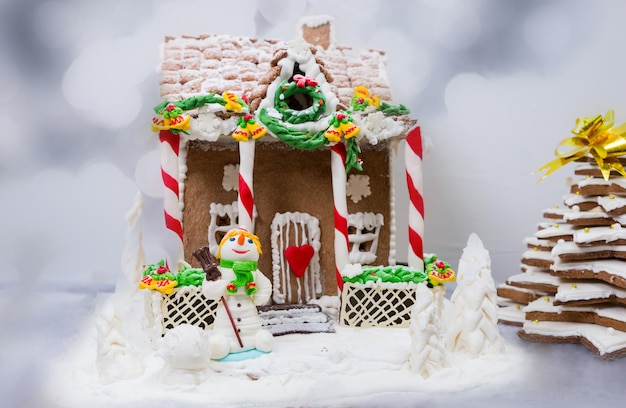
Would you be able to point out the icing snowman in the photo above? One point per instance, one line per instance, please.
(240, 289)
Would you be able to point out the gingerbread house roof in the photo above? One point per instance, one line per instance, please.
(245, 66)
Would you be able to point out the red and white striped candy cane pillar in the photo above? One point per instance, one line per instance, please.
(246, 195)
(170, 147)
(414, 181)
(338, 172)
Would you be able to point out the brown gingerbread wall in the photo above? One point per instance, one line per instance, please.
(285, 180)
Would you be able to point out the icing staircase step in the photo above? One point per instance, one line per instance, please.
(291, 319)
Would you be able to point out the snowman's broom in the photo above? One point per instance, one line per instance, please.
(209, 266)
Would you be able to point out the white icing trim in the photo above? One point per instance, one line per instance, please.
(568, 247)
(606, 340)
(392, 152)
(299, 52)
(364, 221)
(611, 266)
(585, 290)
(542, 255)
(593, 181)
(316, 21)
(533, 275)
(182, 174)
(209, 127)
(386, 285)
(538, 242)
(376, 126)
(306, 230)
(612, 202)
(596, 234)
(572, 199)
(552, 231)
(546, 304)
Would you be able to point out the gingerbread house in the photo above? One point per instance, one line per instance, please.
(294, 141)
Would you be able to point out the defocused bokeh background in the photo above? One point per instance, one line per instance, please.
(495, 84)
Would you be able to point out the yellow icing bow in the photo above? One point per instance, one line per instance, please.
(232, 102)
(593, 136)
(341, 124)
(246, 127)
(362, 96)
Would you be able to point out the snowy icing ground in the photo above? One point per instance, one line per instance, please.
(348, 367)
(451, 346)
(118, 358)
(49, 353)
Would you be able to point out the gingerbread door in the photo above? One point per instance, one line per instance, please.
(295, 258)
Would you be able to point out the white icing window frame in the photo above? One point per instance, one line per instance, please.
(362, 222)
(310, 234)
(218, 210)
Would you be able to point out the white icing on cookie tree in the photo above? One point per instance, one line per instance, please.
(474, 326)
(427, 348)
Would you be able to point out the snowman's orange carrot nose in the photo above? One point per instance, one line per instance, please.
(241, 239)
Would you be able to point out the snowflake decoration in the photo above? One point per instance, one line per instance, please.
(358, 187)
(230, 181)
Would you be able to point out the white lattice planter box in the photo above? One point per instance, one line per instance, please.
(377, 304)
(187, 305)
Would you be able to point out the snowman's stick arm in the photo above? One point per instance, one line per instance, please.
(213, 273)
(232, 321)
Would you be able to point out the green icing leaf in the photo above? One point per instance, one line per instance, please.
(393, 110)
(190, 276)
(302, 140)
(295, 138)
(187, 276)
(388, 274)
(195, 102)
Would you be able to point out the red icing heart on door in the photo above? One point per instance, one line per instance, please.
(299, 258)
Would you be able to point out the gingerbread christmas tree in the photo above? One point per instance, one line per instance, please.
(572, 288)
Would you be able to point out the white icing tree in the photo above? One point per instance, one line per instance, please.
(133, 257)
(474, 325)
(427, 348)
(114, 357)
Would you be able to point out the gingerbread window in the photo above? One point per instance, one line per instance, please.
(223, 217)
(363, 232)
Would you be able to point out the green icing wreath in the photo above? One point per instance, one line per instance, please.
(300, 86)
(304, 140)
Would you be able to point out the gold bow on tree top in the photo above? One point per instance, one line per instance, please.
(595, 136)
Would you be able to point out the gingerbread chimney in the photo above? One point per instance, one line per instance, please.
(317, 30)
